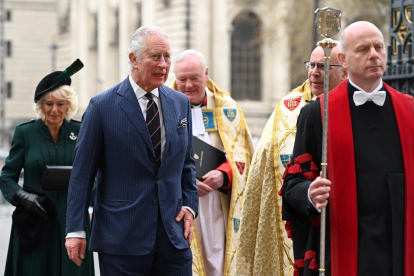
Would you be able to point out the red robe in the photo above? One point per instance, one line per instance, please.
(343, 204)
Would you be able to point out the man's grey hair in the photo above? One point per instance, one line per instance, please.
(137, 44)
(185, 54)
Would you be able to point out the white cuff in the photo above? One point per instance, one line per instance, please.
(191, 210)
(78, 234)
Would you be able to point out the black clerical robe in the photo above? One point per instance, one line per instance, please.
(371, 166)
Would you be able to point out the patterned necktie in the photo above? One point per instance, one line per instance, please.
(153, 124)
(361, 97)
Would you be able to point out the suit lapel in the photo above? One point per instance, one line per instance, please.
(129, 104)
(169, 117)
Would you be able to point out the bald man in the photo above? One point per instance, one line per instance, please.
(261, 216)
(370, 185)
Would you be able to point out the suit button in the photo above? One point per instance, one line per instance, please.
(155, 201)
(158, 178)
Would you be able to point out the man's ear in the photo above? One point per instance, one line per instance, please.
(207, 72)
(341, 58)
(133, 60)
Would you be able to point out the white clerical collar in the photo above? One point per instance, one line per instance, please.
(359, 88)
(139, 92)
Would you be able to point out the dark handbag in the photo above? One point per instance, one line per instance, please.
(29, 227)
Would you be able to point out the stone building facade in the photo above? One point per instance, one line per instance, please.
(254, 48)
(243, 43)
(246, 53)
(29, 32)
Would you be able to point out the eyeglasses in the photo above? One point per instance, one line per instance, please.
(310, 65)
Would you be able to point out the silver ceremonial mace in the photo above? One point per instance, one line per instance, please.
(328, 24)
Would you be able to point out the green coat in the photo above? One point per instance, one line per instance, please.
(33, 148)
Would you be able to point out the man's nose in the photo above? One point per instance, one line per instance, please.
(373, 52)
(162, 63)
(315, 70)
(188, 83)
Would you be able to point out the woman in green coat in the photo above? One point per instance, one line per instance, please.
(37, 240)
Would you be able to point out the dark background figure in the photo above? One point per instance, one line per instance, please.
(38, 232)
(146, 195)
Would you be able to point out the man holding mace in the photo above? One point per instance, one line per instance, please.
(370, 163)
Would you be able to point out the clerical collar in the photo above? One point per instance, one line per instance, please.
(203, 103)
(359, 88)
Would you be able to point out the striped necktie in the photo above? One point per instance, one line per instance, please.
(153, 124)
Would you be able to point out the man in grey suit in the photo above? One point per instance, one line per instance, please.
(136, 137)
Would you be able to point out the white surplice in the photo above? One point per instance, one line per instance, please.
(210, 221)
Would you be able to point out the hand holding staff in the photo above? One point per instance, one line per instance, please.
(328, 23)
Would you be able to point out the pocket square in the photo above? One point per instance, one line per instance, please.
(183, 123)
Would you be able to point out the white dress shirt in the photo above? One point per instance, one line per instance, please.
(143, 101)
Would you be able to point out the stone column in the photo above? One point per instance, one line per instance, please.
(202, 21)
(102, 45)
(148, 9)
(220, 44)
(124, 36)
(278, 62)
(81, 40)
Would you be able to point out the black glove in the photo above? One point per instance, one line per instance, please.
(30, 203)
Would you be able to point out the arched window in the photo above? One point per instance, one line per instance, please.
(246, 45)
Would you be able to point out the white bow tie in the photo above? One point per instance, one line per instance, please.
(361, 97)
